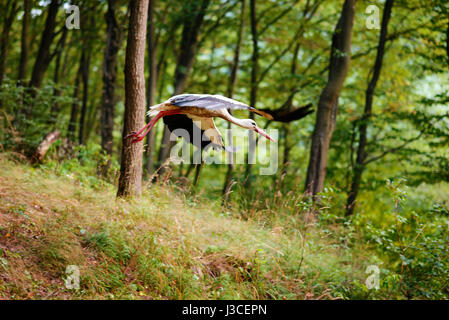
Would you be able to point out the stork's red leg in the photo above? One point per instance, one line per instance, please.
(151, 124)
(135, 134)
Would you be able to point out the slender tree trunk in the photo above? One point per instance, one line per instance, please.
(130, 181)
(113, 43)
(198, 168)
(364, 122)
(66, 62)
(328, 103)
(75, 105)
(231, 87)
(43, 57)
(289, 107)
(55, 108)
(254, 89)
(10, 14)
(85, 80)
(152, 85)
(23, 65)
(162, 76)
(92, 125)
(87, 47)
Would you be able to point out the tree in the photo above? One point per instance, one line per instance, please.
(75, 105)
(44, 55)
(328, 104)
(113, 43)
(10, 12)
(130, 181)
(364, 121)
(55, 108)
(254, 85)
(85, 70)
(231, 87)
(22, 73)
(152, 81)
(88, 40)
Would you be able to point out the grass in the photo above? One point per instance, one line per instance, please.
(163, 245)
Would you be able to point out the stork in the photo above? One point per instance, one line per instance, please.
(182, 110)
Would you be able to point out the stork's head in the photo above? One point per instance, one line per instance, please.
(251, 125)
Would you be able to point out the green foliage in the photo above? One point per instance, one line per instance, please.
(413, 248)
(84, 166)
(26, 114)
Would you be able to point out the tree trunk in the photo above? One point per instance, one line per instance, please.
(23, 65)
(152, 81)
(75, 105)
(85, 80)
(254, 88)
(328, 103)
(198, 168)
(231, 87)
(130, 181)
(10, 14)
(43, 57)
(364, 121)
(86, 48)
(92, 124)
(113, 43)
(55, 108)
(289, 107)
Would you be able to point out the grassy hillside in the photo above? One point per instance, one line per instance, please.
(164, 245)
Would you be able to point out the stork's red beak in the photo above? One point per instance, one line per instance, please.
(263, 133)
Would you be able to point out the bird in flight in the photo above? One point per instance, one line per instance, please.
(186, 110)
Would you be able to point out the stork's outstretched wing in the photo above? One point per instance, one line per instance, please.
(208, 101)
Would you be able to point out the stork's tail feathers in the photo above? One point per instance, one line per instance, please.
(262, 113)
(154, 110)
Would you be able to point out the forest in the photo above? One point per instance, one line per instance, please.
(349, 199)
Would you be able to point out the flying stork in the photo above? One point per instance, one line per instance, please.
(182, 110)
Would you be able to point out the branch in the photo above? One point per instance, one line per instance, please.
(392, 150)
(277, 58)
(279, 16)
(296, 38)
(264, 12)
(391, 37)
(60, 43)
(217, 23)
(45, 144)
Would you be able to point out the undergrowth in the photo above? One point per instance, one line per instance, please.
(165, 245)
